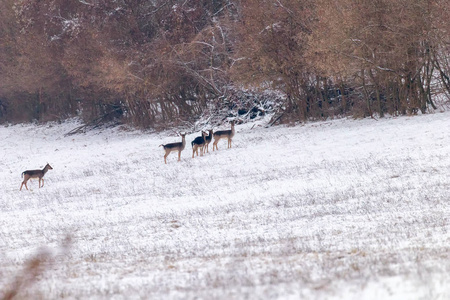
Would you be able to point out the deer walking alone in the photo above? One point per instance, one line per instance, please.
(208, 139)
(224, 134)
(172, 147)
(198, 142)
(35, 174)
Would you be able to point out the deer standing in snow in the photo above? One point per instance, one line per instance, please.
(224, 134)
(35, 174)
(172, 147)
(208, 140)
(198, 142)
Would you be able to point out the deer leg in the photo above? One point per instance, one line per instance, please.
(24, 182)
(179, 155)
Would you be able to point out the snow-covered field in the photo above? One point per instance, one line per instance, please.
(331, 210)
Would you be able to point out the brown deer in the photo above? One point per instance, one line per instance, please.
(224, 134)
(208, 139)
(35, 174)
(198, 142)
(174, 147)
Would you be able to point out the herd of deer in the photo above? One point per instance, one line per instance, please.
(199, 143)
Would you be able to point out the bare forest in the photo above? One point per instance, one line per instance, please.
(161, 63)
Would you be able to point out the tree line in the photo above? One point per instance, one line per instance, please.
(154, 64)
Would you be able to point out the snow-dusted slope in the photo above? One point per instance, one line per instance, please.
(332, 210)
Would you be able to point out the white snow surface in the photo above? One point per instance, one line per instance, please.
(339, 209)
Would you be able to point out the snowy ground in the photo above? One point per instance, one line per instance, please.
(333, 210)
